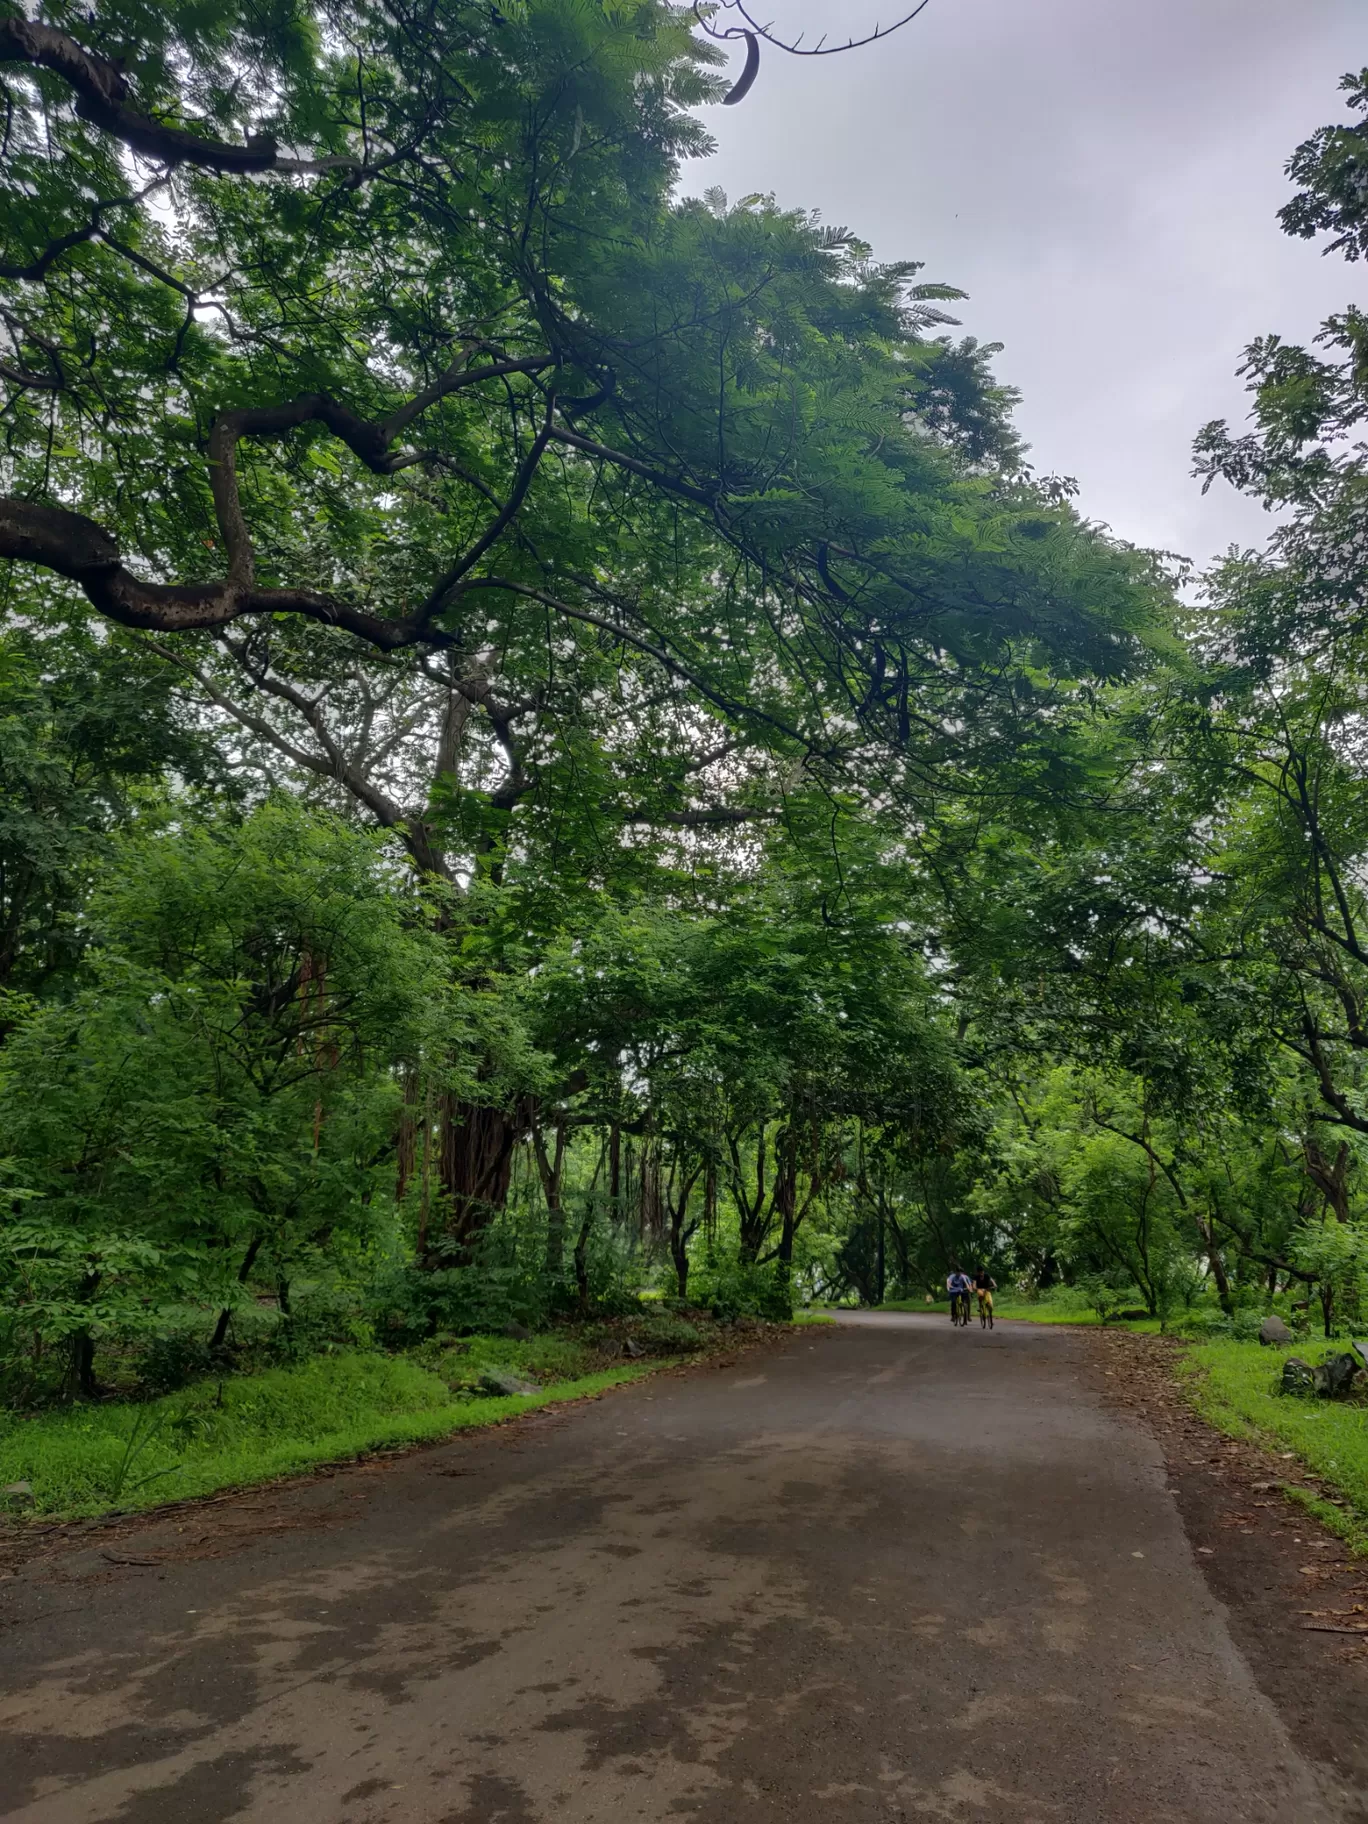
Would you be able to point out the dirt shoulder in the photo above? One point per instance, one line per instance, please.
(1288, 1583)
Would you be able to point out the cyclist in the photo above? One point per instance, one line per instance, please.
(985, 1285)
(959, 1286)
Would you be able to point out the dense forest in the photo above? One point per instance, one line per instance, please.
(554, 746)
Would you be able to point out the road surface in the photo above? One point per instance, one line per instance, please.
(890, 1572)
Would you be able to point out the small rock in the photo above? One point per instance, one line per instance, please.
(634, 1349)
(1361, 1350)
(1334, 1377)
(17, 1491)
(1274, 1330)
(502, 1385)
(519, 1332)
(1297, 1376)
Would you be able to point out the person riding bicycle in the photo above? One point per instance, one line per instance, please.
(985, 1286)
(959, 1286)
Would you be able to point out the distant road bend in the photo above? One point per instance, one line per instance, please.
(895, 1572)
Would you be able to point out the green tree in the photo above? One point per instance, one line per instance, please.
(215, 1108)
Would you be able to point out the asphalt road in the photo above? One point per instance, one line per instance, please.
(893, 1572)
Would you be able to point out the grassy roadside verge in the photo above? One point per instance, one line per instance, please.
(1231, 1385)
(127, 1458)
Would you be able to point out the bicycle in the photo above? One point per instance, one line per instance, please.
(959, 1309)
(985, 1305)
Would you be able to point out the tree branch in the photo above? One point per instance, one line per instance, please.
(672, 484)
(103, 99)
(79, 549)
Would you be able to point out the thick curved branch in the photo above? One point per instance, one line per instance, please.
(455, 377)
(36, 269)
(18, 376)
(103, 98)
(73, 546)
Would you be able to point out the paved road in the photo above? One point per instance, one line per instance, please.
(888, 1573)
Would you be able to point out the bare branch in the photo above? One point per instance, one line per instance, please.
(752, 29)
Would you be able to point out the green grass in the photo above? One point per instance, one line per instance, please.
(461, 1362)
(253, 1428)
(1232, 1385)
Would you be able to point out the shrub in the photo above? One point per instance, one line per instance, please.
(732, 1289)
(668, 1334)
(411, 1303)
(174, 1359)
(321, 1322)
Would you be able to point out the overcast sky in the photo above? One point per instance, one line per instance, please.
(1102, 178)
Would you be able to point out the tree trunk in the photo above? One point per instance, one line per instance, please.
(582, 1256)
(1218, 1271)
(1330, 1177)
(681, 1229)
(785, 1200)
(475, 1164)
(752, 1212)
(552, 1172)
(679, 1252)
(406, 1140)
(81, 1368)
(225, 1317)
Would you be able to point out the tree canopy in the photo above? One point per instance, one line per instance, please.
(553, 744)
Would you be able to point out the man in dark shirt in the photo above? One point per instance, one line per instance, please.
(985, 1285)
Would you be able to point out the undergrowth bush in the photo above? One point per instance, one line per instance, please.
(410, 1304)
(732, 1289)
(669, 1333)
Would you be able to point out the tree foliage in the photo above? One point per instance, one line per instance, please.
(553, 746)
